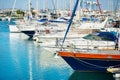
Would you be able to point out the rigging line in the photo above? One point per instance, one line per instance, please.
(54, 6)
(116, 6)
(88, 63)
(72, 16)
(97, 65)
(92, 64)
(115, 66)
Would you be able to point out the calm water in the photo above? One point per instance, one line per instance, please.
(22, 59)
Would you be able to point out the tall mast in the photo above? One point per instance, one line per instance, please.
(70, 5)
(90, 6)
(37, 4)
(99, 7)
(46, 5)
(29, 6)
(13, 7)
(56, 4)
(71, 19)
(65, 4)
(115, 7)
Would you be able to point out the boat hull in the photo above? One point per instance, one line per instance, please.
(90, 62)
(14, 29)
(29, 33)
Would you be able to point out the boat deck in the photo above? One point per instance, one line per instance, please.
(94, 51)
(105, 51)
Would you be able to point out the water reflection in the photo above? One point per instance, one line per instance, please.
(28, 61)
(81, 75)
(53, 68)
(34, 62)
(20, 56)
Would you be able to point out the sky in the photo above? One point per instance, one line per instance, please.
(22, 4)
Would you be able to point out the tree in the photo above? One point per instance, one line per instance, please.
(20, 12)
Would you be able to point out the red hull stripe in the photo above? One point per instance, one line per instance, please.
(89, 55)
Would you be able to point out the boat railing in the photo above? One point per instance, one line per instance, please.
(56, 42)
(86, 50)
(85, 44)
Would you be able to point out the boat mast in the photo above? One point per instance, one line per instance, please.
(13, 7)
(70, 5)
(115, 7)
(57, 7)
(90, 9)
(12, 10)
(29, 6)
(54, 8)
(99, 7)
(46, 5)
(71, 19)
(37, 4)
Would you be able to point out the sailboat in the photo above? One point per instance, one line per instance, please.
(89, 59)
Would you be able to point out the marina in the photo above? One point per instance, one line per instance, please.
(78, 41)
(21, 59)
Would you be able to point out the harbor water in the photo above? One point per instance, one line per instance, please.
(23, 59)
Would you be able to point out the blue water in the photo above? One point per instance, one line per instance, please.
(23, 59)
